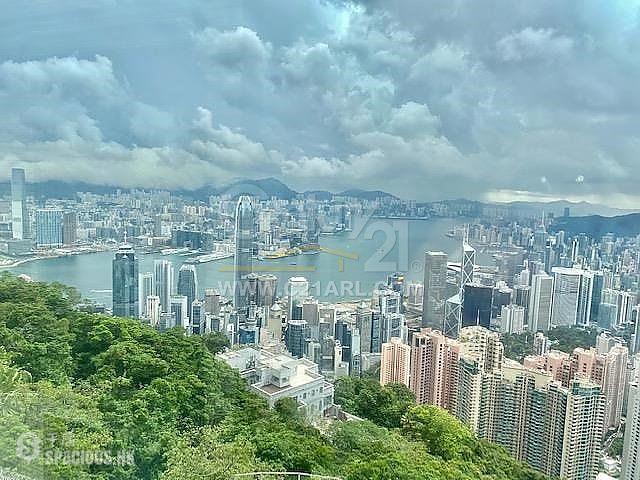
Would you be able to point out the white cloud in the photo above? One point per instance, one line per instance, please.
(532, 44)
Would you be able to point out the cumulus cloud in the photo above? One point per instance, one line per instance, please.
(531, 44)
(238, 49)
(426, 100)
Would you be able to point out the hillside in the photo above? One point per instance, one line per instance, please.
(166, 408)
(596, 226)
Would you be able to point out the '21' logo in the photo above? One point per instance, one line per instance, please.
(395, 235)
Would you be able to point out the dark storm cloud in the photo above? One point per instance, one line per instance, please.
(425, 99)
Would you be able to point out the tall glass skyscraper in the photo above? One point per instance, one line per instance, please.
(49, 231)
(19, 215)
(125, 282)
(163, 282)
(188, 284)
(242, 260)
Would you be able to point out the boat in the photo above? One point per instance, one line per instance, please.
(209, 257)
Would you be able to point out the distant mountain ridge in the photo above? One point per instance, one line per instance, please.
(596, 225)
(264, 187)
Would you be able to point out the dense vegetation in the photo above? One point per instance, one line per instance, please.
(73, 381)
(565, 339)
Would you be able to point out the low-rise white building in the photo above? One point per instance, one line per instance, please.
(275, 376)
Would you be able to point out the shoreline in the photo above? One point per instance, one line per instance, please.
(22, 261)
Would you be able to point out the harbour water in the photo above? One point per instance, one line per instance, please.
(349, 267)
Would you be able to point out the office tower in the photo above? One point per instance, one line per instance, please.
(243, 252)
(145, 289)
(19, 214)
(167, 321)
(212, 301)
(69, 228)
(502, 295)
(598, 285)
(453, 316)
(540, 302)
(298, 290)
(414, 294)
(295, 336)
(583, 431)
(311, 315)
(434, 368)
(179, 308)
(395, 362)
(125, 282)
(389, 302)
(188, 284)
(512, 319)
(522, 297)
(267, 290)
(572, 295)
(631, 448)
(196, 318)
(49, 227)
(468, 264)
(434, 289)
(476, 305)
(163, 283)
(152, 308)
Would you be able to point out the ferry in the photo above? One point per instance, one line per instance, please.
(209, 257)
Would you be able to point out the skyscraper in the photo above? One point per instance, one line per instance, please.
(125, 282)
(434, 292)
(145, 289)
(69, 228)
(243, 252)
(467, 265)
(394, 365)
(434, 368)
(49, 227)
(572, 295)
(298, 290)
(188, 284)
(163, 283)
(476, 305)
(19, 214)
(631, 448)
(540, 302)
(178, 307)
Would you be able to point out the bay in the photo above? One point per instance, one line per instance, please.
(350, 266)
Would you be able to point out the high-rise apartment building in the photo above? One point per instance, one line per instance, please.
(434, 368)
(434, 289)
(125, 283)
(395, 362)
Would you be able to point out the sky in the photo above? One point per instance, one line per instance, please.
(492, 100)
